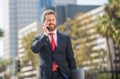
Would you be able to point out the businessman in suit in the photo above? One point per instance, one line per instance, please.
(54, 49)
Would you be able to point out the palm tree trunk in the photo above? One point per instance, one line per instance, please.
(110, 56)
(1, 33)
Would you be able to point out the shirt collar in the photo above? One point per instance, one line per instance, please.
(55, 31)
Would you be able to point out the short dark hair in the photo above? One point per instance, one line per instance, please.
(47, 12)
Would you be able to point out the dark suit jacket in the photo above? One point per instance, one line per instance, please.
(63, 55)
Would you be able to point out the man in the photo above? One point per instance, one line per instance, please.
(54, 49)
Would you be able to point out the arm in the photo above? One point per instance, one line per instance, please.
(39, 40)
(70, 55)
(38, 43)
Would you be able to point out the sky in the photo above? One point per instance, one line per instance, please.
(80, 2)
(91, 2)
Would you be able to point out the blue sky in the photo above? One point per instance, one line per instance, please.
(92, 2)
(81, 2)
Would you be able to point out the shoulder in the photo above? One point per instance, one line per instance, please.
(63, 35)
(38, 35)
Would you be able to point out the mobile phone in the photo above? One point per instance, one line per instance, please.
(48, 28)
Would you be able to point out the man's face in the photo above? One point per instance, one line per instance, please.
(50, 20)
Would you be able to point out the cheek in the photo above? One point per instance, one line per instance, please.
(46, 22)
(55, 23)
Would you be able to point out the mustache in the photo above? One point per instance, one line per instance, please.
(51, 24)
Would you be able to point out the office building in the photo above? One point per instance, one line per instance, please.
(43, 4)
(63, 2)
(16, 14)
(70, 11)
(99, 58)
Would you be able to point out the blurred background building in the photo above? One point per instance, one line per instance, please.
(99, 44)
(20, 17)
(69, 11)
(16, 15)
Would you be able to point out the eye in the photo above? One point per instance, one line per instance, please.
(53, 19)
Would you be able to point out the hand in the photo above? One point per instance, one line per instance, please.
(45, 30)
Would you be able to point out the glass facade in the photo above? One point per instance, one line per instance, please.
(16, 14)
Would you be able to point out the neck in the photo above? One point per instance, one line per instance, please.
(54, 30)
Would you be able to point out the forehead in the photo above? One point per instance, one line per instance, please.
(50, 16)
(49, 13)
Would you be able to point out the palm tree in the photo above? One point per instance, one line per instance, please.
(29, 55)
(29, 58)
(109, 25)
(110, 21)
(4, 63)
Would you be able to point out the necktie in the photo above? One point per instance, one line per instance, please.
(53, 45)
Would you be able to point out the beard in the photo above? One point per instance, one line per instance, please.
(51, 27)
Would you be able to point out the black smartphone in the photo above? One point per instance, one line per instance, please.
(48, 28)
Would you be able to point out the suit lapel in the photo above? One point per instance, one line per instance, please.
(48, 42)
(58, 41)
